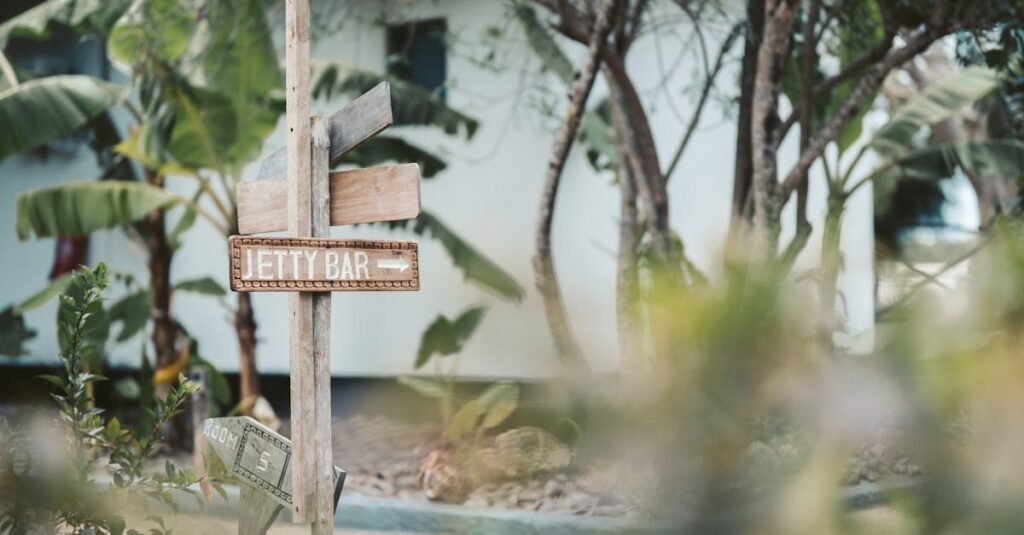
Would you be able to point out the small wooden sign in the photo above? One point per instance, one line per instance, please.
(258, 456)
(322, 265)
(386, 193)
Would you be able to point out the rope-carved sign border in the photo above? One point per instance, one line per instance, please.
(409, 278)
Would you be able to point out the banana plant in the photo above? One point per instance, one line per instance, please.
(905, 152)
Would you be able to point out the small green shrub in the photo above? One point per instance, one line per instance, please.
(54, 482)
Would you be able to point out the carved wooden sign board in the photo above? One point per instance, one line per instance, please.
(322, 265)
(258, 456)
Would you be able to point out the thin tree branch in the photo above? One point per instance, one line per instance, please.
(808, 69)
(547, 281)
(779, 15)
(635, 19)
(711, 75)
(868, 58)
(853, 104)
(880, 314)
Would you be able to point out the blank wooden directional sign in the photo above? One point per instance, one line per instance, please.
(322, 265)
(387, 193)
(258, 456)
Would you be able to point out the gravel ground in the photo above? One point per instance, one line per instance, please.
(382, 458)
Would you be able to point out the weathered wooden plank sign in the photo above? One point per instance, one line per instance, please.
(386, 193)
(258, 456)
(322, 265)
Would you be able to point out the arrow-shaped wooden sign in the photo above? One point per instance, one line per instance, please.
(349, 127)
(258, 456)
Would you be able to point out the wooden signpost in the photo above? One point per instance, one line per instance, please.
(296, 192)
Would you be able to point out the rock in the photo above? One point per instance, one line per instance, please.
(442, 480)
(407, 481)
(608, 510)
(553, 489)
(523, 452)
(477, 501)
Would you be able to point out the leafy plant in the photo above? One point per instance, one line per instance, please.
(208, 83)
(62, 493)
(444, 338)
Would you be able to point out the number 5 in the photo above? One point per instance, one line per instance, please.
(263, 461)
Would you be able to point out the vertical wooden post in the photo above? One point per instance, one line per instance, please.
(323, 522)
(309, 334)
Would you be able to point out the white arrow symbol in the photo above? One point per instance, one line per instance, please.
(399, 263)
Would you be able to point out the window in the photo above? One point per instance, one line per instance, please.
(417, 53)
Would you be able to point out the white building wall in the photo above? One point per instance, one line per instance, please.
(489, 195)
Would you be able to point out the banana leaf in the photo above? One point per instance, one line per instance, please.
(45, 109)
(446, 337)
(1004, 158)
(939, 101)
(411, 104)
(475, 267)
(84, 16)
(543, 44)
(384, 149)
(83, 207)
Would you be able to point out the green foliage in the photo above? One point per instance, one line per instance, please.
(158, 29)
(56, 287)
(203, 286)
(84, 16)
(909, 155)
(431, 388)
(487, 411)
(598, 138)
(490, 409)
(411, 104)
(13, 333)
(498, 402)
(81, 208)
(132, 311)
(66, 496)
(937, 102)
(475, 267)
(49, 108)
(860, 29)
(384, 149)
(543, 44)
(446, 337)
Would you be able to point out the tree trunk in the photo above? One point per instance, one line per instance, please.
(628, 109)
(626, 282)
(164, 330)
(831, 265)
(744, 169)
(768, 202)
(245, 329)
(159, 264)
(566, 346)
